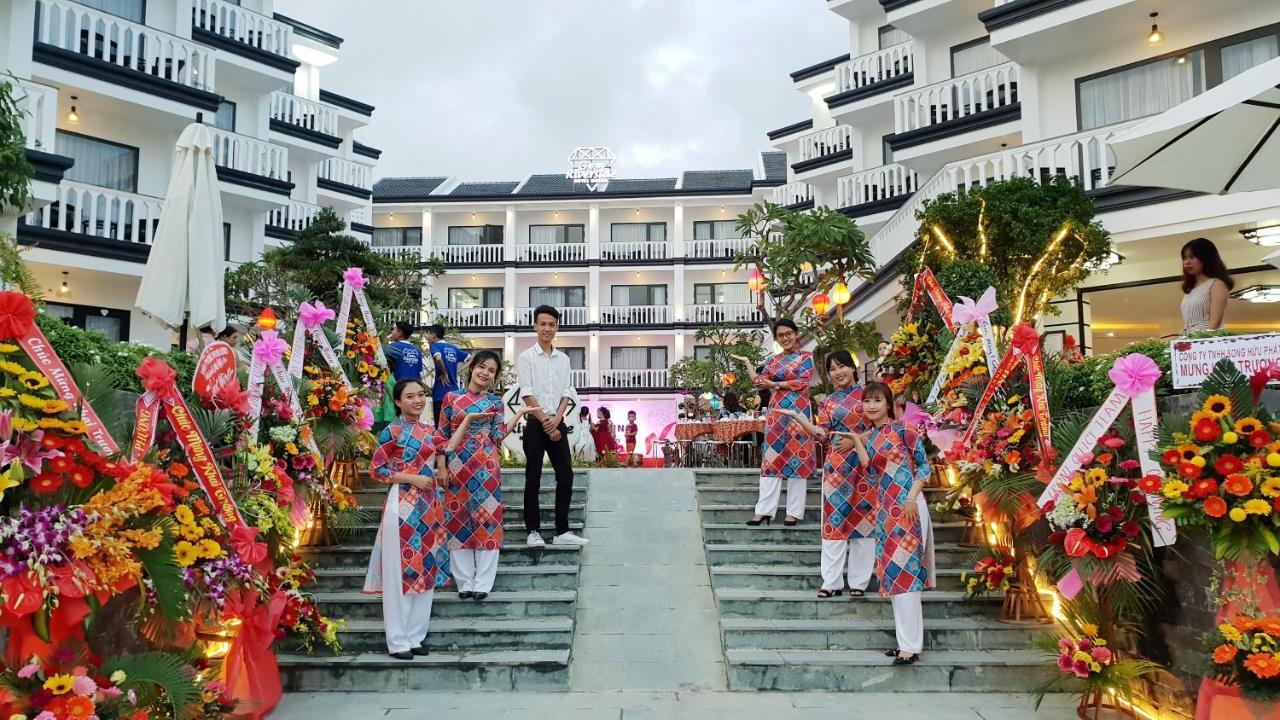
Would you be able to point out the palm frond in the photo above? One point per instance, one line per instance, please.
(101, 390)
(158, 677)
(350, 521)
(217, 425)
(166, 579)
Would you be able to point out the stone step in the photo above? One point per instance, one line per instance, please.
(805, 532)
(804, 604)
(510, 578)
(864, 670)
(521, 603)
(513, 528)
(808, 555)
(747, 494)
(959, 633)
(779, 577)
(719, 477)
(468, 634)
(374, 496)
(533, 670)
(512, 508)
(513, 553)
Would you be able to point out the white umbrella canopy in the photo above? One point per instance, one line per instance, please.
(184, 270)
(1223, 140)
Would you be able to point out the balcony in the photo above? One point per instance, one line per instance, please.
(248, 161)
(304, 119)
(400, 252)
(634, 251)
(470, 254)
(288, 220)
(793, 196)
(873, 73)
(90, 42)
(37, 113)
(568, 316)
(635, 314)
(346, 177)
(487, 317)
(96, 221)
(634, 379)
(725, 313)
(578, 377)
(977, 100)
(875, 190)
(721, 249)
(552, 252)
(244, 32)
(824, 147)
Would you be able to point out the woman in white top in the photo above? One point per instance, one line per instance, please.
(1205, 285)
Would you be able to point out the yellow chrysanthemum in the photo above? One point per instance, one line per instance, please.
(1229, 632)
(12, 368)
(1230, 437)
(31, 401)
(208, 548)
(185, 553)
(191, 532)
(1270, 487)
(184, 515)
(50, 424)
(75, 427)
(1217, 406)
(34, 380)
(1097, 476)
(60, 684)
(8, 392)
(1173, 489)
(1257, 506)
(8, 348)
(24, 425)
(1248, 425)
(1089, 629)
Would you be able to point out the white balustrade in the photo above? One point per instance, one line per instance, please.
(110, 38)
(722, 248)
(724, 313)
(822, 143)
(635, 314)
(874, 67)
(362, 215)
(473, 317)
(346, 172)
(568, 316)
(639, 378)
(399, 252)
(304, 113)
(551, 252)
(611, 250)
(470, 253)
(875, 184)
(578, 378)
(37, 113)
(295, 215)
(957, 97)
(792, 194)
(249, 154)
(243, 25)
(100, 212)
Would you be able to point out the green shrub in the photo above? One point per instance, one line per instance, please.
(119, 359)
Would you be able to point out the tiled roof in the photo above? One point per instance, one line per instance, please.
(557, 184)
(401, 187)
(699, 180)
(483, 189)
(775, 165)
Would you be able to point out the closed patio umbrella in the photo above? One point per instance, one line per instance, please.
(1223, 140)
(184, 270)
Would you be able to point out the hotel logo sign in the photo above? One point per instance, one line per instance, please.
(592, 166)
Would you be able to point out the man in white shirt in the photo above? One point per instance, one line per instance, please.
(543, 374)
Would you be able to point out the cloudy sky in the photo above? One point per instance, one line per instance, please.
(496, 89)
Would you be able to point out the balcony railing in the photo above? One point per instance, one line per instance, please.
(725, 313)
(958, 97)
(1082, 157)
(552, 252)
(399, 252)
(347, 172)
(827, 142)
(722, 248)
(641, 378)
(578, 378)
(470, 253)
(473, 317)
(362, 215)
(795, 193)
(635, 314)
(568, 316)
(891, 62)
(303, 113)
(879, 183)
(250, 155)
(37, 113)
(110, 38)
(243, 26)
(100, 212)
(634, 251)
(295, 215)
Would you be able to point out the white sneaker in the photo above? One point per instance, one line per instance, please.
(568, 539)
(535, 540)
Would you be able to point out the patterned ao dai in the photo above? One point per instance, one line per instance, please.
(788, 450)
(904, 550)
(473, 497)
(405, 447)
(848, 500)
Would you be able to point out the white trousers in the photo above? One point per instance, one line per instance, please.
(474, 570)
(771, 492)
(405, 617)
(861, 555)
(908, 622)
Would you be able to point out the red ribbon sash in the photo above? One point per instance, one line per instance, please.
(1039, 395)
(47, 361)
(927, 283)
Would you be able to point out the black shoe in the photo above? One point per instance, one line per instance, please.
(790, 522)
(891, 653)
(420, 651)
(480, 596)
(907, 660)
(402, 655)
(766, 520)
(465, 595)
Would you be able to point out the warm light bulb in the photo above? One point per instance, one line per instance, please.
(73, 116)
(1156, 37)
(840, 293)
(66, 288)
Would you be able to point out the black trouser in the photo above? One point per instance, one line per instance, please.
(437, 407)
(536, 444)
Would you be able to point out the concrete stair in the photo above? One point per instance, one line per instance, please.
(519, 638)
(778, 635)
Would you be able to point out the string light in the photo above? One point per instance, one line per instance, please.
(982, 230)
(942, 238)
(1035, 270)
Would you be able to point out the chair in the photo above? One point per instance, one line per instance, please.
(743, 454)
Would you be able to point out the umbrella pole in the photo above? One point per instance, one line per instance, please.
(182, 333)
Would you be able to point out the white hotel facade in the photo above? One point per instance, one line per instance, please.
(108, 86)
(935, 95)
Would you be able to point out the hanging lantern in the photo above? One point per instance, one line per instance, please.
(729, 378)
(821, 304)
(756, 283)
(840, 293)
(267, 319)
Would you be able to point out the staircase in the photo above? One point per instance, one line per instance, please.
(778, 635)
(519, 638)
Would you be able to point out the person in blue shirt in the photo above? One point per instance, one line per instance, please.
(404, 358)
(448, 360)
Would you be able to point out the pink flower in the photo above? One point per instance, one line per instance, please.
(1064, 663)
(1080, 668)
(1102, 655)
(84, 686)
(1113, 442)
(1085, 644)
(1130, 464)
(1086, 459)
(46, 715)
(109, 693)
(28, 671)
(1066, 646)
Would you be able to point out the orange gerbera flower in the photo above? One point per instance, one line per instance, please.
(1244, 623)
(1013, 458)
(1238, 485)
(1150, 484)
(1264, 665)
(178, 470)
(79, 708)
(1224, 654)
(1215, 507)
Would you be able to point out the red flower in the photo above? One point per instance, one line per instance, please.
(1215, 507)
(17, 313)
(1189, 470)
(1171, 457)
(1259, 438)
(1207, 430)
(61, 464)
(1203, 488)
(1238, 485)
(51, 442)
(1150, 484)
(46, 483)
(1228, 464)
(80, 476)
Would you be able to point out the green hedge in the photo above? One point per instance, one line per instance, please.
(1086, 385)
(120, 359)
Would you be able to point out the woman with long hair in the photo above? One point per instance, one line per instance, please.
(1205, 287)
(602, 432)
(404, 562)
(470, 430)
(788, 450)
(848, 502)
(896, 464)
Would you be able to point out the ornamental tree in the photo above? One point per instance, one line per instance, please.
(15, 172)
(708, 375)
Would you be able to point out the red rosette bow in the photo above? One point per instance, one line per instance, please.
(17, 314)
(1024, 338)
(244, 539)
(157, 377)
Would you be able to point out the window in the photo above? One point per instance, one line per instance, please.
(715, 230)
(702, 353)
(638, 232)
(639, 295)
(135, 10)
(556, 234)
(108, 321)
(890, 35)
(1241, 56)
(638, 358)
(720, 293)
(974, 56)
(225, 118)
(472, 298)
(475, 235)
(1140, 91)
(226, 241)
(397, 237)
(577, 357)
(99, 162)
(558, 297)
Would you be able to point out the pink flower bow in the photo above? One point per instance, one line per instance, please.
(1134, 373)
(354, 277)
(269, 348)
(970, 311)
(313, 315)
